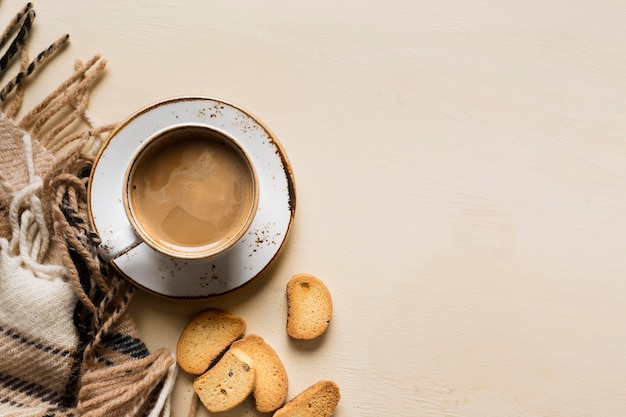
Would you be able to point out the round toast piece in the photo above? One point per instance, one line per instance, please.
(228, 383)
(271, 386)
(319, 400)
(309, 307)
(205, 337)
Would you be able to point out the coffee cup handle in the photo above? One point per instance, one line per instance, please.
(118, 242)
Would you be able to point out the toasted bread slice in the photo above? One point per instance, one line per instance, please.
(309, 308)
(228, 383)
(205, 337)
(319, 400)
(270, 388)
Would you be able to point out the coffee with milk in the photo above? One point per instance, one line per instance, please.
(191, 192)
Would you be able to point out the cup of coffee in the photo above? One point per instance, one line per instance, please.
(191, 191)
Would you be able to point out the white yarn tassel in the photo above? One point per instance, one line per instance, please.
(162, 407)
(30, 238)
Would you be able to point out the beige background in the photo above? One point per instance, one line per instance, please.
(461, 177)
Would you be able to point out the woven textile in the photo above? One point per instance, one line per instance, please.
(67, 345)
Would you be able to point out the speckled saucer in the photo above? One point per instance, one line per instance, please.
(173, 277)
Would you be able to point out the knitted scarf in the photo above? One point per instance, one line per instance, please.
(67, 345)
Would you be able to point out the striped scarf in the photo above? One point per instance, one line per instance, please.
(67, 345)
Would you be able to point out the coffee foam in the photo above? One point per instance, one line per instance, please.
(191, 189)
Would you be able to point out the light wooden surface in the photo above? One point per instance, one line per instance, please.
(461, 180)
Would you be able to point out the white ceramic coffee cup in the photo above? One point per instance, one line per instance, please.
(191, 191)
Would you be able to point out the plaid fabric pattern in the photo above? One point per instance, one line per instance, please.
(41, 360)
(67, 345)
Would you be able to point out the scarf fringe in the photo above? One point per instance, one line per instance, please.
(50, 215)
